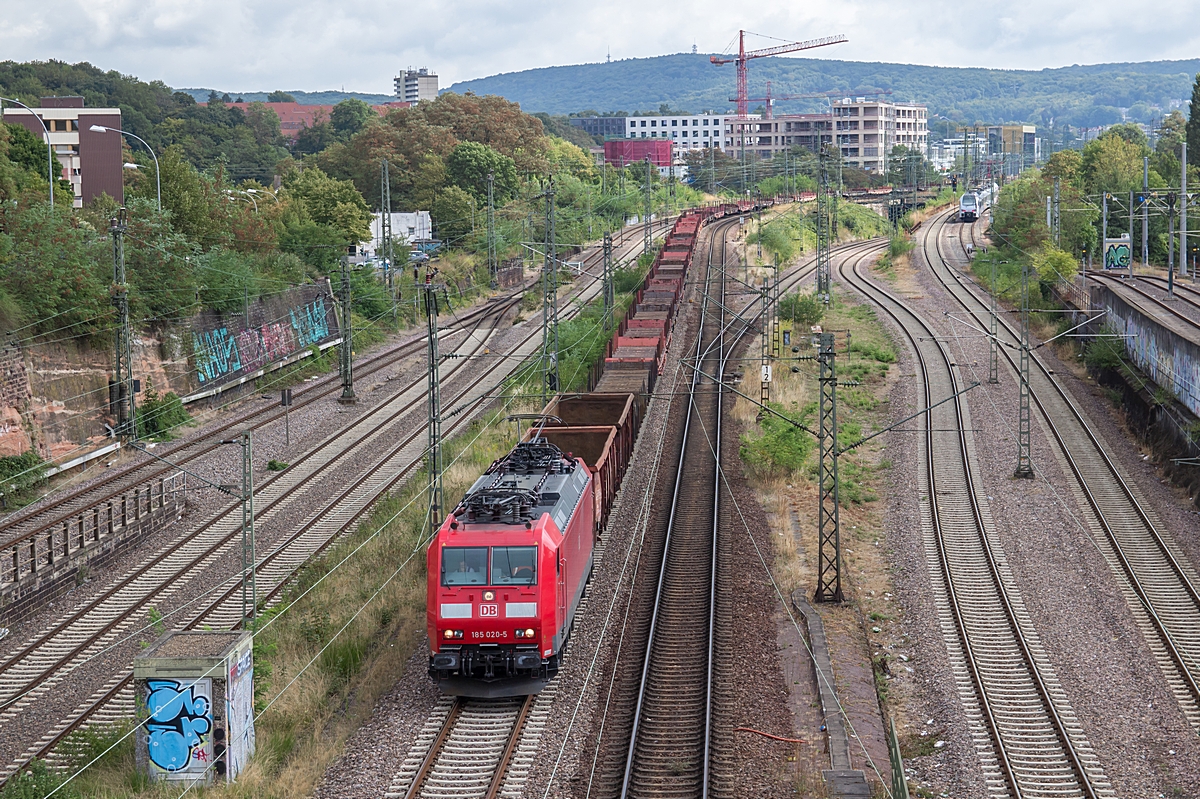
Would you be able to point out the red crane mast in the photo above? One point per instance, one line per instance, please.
(744, 55)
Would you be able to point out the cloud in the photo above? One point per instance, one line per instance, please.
(362, 44)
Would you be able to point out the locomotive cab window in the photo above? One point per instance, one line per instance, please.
(464, 565)
(514, 565)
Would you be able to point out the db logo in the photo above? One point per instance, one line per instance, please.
(489, 610)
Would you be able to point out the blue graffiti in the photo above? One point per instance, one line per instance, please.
(179, 720)
(309, 323)
(1117, 256)
(216, 354)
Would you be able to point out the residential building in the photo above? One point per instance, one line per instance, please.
(406, 229)
(294, 117)
(687, 131)
(764, 138)
(415, 85)
(867, 130)
(604, 127)
(91, 161)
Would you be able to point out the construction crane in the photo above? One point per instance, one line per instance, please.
(770, 101)
(743, 102)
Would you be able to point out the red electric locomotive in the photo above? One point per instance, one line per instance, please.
(506, 572)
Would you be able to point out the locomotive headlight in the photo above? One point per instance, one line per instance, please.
(529, 633)
(488, 596)
(520, 633)
(448, 634)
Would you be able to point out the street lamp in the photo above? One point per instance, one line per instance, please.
(231, 192)
(49, 147)
(157, 173)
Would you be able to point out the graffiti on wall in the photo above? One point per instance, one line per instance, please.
(1170, 361)
(223, 352)
(179, 729)
(240, 708)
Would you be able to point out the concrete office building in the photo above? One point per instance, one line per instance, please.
(414, 85)
(686, 131)
(91, 161)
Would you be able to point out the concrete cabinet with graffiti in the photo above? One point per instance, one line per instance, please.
(195, 700)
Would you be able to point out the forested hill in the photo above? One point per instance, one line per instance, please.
(1076, 95)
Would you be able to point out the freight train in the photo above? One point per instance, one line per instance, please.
(508, 567)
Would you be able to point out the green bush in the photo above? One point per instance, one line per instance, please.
(1106, 351)
(36, 781)
(875, 352)
(159, 415)
(803, 309)
(782, 447)
(19, 473)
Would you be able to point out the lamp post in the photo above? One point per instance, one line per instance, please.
(49, 148)
(247, 192)
(157, 172)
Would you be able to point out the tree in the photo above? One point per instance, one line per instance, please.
(333, 203)
(428, 181)
(263, 120)
(197, 202)
(1051, 263)
(278, 96)
(1066, 165)
(469, 164)
(26, 150)
(316, 137)
(1112, 163)
(350, 116)
(452, 214)
(57, 269)
(1193, 124)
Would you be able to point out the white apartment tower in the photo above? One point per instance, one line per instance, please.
(414, 85)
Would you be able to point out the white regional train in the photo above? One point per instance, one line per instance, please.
(974, 203)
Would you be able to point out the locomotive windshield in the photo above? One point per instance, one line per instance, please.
(464, 565)
(469, 566)
(514, 565)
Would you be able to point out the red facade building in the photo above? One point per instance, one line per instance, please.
(623, 152)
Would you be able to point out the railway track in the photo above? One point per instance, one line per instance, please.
(441, 749)
(43, 520)
(49, 662)
(671, 737)
(1156, 579)
(1025, 733)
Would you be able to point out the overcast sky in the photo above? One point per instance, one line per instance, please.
(359, 45)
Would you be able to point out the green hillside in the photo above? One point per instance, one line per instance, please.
(304, 98)
(1077, 95)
